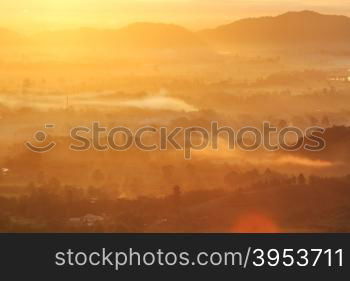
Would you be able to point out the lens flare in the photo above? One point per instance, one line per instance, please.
(255, 223)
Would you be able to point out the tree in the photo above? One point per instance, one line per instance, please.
(325, 121)
(177, 192)
(54, 183)
(98, 176)
(301, 179)
(41, 178)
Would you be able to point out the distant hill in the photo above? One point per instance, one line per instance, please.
(153, 35)
(337, 149)
(304, 27)
(292, 30)
(135, 39)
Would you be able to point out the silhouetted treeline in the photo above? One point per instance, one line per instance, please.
(294, 203)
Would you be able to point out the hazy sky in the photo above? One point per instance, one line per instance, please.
(43, 14)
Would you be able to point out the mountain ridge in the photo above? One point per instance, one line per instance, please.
(291, 28)
(304, 26)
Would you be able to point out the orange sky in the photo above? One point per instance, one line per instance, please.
(53, 14)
